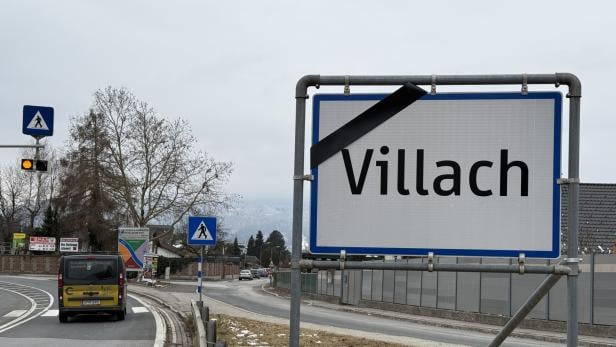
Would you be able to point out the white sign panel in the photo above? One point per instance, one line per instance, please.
(69, 244)
(127, 233)
(42, 244)
(454, 174)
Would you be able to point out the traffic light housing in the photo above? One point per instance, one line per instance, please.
(34, 165)
(27, 164)
(41, 165)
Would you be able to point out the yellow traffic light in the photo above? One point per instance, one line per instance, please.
(27, 164)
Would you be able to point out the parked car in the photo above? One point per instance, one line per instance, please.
(255, 273)
(245, 275)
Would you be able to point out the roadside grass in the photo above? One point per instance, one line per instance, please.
(237, 331)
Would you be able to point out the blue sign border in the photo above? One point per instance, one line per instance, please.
(553, 253)
(193, 223)
(29, 111)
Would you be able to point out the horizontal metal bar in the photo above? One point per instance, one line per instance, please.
(568, 79)
(494, 268)
(22, 146)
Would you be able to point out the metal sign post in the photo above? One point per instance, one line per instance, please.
(200, 275)
(201, 232)
(320, 153)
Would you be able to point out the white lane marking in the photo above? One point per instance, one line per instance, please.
(50, 313)
(8, 325)
(15, 313)
(139, 309)
(161, 327)
(26, 318)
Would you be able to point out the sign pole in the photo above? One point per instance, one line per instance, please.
(200, 273)
(575, 93)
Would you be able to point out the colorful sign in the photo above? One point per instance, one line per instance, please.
(19, 241)
(132, 245)
(69, 244)
(150, 267)
(46, 244)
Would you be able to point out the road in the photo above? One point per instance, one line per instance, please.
(244, 294)
(24, 324)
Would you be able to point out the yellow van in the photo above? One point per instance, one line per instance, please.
(91, 283)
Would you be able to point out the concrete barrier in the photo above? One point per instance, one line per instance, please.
(199, 327)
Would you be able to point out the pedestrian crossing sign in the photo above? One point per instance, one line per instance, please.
(37, 120)
(201, 231)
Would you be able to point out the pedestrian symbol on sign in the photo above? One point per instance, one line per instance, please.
(38, 122)
(202, 233)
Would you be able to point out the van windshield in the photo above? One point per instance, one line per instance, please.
(91, 271)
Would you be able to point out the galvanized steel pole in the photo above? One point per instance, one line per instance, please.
(556, 269)
(301, 94)
(23, 146)
(575, 93)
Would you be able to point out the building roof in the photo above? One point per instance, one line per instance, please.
(170, 248)
(597, 216)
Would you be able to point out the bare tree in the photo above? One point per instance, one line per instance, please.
(12, 191)
(152, 166)
(37, 188)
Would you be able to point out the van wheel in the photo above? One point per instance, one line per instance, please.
(63, 317)
(121, 315)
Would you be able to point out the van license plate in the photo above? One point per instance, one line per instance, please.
(90, 302)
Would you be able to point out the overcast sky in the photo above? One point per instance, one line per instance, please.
(230, 67)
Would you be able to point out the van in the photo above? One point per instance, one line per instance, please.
(91, 284)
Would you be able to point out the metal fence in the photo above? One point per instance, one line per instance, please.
(282, 279)
(492, 293)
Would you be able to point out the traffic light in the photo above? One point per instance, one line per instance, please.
(34, 165)
(41, 165)
(27, 164)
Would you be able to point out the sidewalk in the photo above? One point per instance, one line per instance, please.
(180, 302)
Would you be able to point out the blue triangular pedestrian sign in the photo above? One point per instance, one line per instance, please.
(201, 231)
(37, 120)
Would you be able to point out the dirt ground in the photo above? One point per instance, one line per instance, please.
(246, 332)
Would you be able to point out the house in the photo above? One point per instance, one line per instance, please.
(167, 250)
(597, 217)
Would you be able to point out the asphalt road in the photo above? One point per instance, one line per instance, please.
(243, 294)
(45, 330)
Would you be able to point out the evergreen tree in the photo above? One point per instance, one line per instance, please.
(274, 248)
(235, 251)
(259, 244)
(85, 204)
(50, 223)
(250, 248)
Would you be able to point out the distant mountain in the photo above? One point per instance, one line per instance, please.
(249, 216)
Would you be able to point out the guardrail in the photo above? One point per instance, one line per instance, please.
(203, 326)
